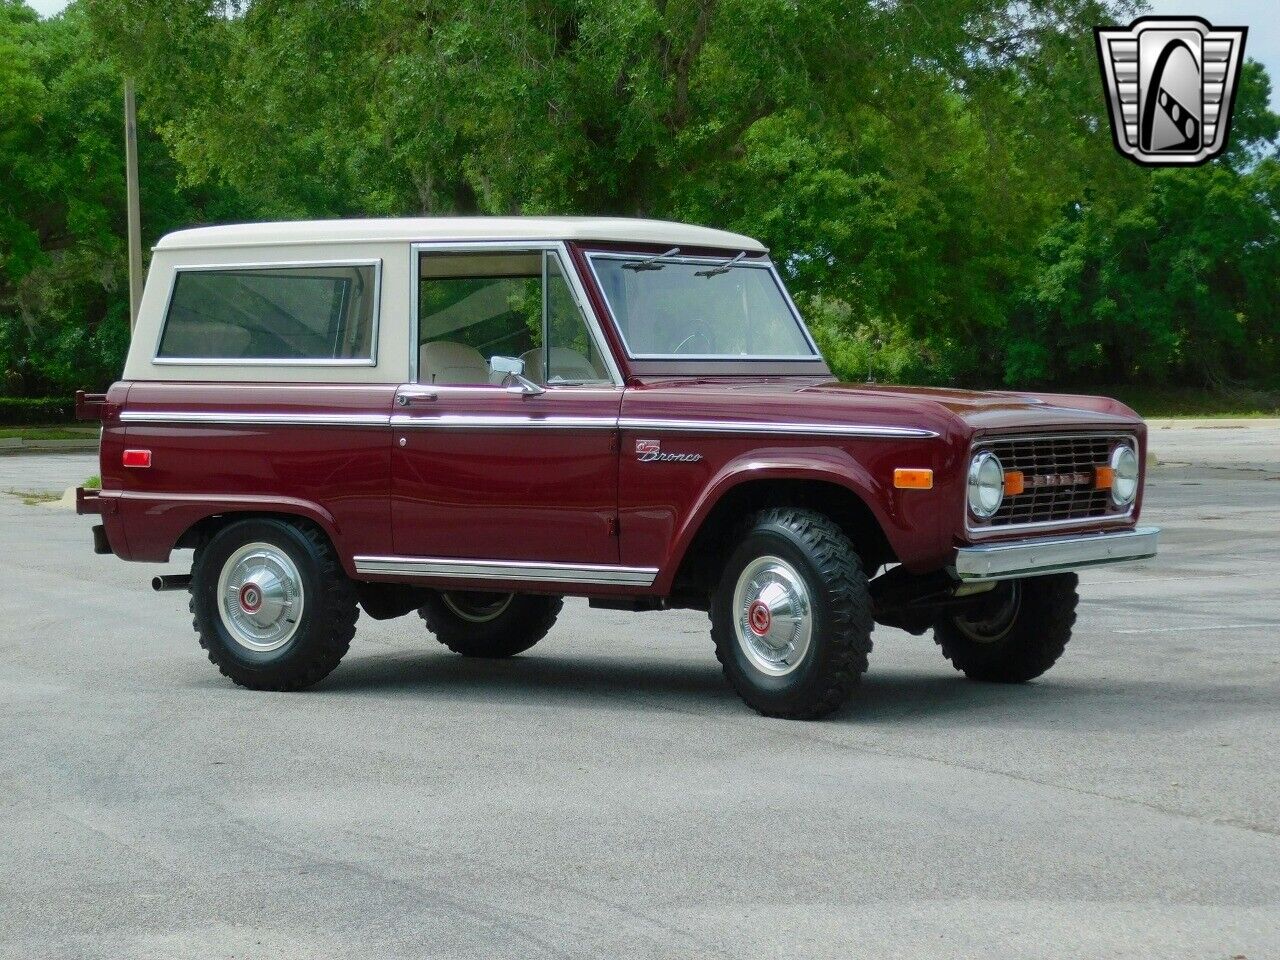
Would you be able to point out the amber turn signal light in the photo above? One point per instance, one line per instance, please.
(1014, 483)
(905, 479)
(1103, 478)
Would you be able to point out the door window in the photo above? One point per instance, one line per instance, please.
(475, 306)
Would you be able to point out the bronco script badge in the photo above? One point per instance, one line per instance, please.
(650, 451)
(1171, 84)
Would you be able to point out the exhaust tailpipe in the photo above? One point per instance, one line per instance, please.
(171, 581)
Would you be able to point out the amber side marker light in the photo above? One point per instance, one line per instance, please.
(905, 479)
(1103, 477)
(1014, 483)
(136, 458)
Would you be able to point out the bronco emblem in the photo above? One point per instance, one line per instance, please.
(1171, 84)
(650, 451)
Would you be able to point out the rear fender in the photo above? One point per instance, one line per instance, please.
(159, 522)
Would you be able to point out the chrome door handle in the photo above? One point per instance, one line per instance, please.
(404, 399)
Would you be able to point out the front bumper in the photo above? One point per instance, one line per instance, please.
(1031, 558)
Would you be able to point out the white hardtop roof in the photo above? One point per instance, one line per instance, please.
(416, 229)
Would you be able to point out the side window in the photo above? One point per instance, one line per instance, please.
(572, 354)
(475, 306)
(303, 314)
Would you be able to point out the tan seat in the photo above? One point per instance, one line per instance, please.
(441, 361)
(565, 363)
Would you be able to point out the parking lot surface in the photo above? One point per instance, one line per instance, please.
(606, 795)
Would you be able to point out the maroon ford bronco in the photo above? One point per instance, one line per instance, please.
(472, 418)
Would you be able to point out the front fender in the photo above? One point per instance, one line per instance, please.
(909, 530)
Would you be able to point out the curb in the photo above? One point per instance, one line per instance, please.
(20, 445)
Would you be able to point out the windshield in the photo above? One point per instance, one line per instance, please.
(713, 309)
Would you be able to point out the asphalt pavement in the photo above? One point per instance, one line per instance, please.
(606, 795)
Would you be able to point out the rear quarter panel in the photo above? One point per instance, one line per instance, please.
(334, 474)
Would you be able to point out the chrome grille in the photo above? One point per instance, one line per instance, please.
(1059, 473)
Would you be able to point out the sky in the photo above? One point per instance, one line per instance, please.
(1260, 16)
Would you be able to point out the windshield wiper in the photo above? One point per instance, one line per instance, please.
(723, 268)
(652, 263)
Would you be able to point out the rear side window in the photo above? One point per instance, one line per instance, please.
(323, 313)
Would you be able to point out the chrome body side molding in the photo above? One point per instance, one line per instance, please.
(525, 570)
(785, 429)
(257, 419)
(505, 422)
(1031, 558)
(451, 421)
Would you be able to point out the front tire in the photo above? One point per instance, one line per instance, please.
(272, 605)
(1014, 635)
(489, 625)
(791, 617)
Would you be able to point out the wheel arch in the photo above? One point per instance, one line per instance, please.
(706, 537)
(204, 528)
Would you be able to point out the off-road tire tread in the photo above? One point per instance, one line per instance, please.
(1039, 636)
(850, 619)
(456, 634)
(335, 619)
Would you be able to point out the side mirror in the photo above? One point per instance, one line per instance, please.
(509, 372)
(502, 367)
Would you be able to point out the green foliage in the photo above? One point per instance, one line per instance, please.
(23, 410)
(63, 265)
(936, 180)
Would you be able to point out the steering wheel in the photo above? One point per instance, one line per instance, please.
(701, 335)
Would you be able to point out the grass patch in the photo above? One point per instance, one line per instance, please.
(48, 433)
(34, 497)
(1174, 402)
(93, 483)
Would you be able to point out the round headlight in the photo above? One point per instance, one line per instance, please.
(986, 485)
(1124, 475)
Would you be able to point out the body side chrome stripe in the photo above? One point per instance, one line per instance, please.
(501, 421)
(529, 571)
(460, 421)
(257, 419)
(793, 429)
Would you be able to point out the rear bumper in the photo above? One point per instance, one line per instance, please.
(1031, 558)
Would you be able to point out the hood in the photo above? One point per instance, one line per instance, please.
(937, 408)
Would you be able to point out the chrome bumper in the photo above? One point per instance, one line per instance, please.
(1031, 558)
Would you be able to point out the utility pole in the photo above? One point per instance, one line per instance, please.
(131, 199)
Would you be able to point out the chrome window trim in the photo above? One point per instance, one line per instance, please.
(558, 247)
(370, 361)
(520, 570)
(985, 530)
(788, 429)
(764, 263)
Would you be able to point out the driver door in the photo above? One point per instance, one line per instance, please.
(484, 468)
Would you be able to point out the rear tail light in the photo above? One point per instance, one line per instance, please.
(136, 458)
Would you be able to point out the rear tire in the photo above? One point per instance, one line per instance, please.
(1017, 634)
(489, 625)
(791, 618)
(272, 605)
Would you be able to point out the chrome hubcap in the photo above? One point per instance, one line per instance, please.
(773, 616)
(260, 597)
(475, 606)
